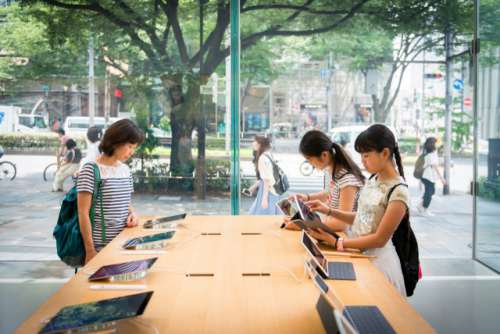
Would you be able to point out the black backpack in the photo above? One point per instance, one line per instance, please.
(406, 246)
(281, 184)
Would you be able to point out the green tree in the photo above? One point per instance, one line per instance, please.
(164, 33)
(461, 122)
(161, 38)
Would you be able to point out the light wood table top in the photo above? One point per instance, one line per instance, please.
(233, 249)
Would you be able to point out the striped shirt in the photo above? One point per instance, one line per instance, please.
(341, 180)
(117, 188)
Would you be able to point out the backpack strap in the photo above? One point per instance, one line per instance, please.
(394, 188)
(407, 214)
(97, 193)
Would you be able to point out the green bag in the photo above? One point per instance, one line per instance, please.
(69, 242)
(418, 172)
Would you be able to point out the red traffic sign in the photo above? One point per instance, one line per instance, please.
(467, 102)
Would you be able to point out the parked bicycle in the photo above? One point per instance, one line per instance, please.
(306, 168)
(8, 169)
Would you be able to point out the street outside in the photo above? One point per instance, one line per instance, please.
(30, 270)
(28, 210)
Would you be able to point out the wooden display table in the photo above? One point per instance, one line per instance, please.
(258, 285)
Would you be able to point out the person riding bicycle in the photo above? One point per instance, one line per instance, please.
(69, 166)
(61, 150)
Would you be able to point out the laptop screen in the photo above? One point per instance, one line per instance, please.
(76, 316)
(315, 252)
(149, 238)
(122, 268)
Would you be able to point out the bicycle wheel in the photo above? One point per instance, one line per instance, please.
(50, 172)
(306, 168)
(8, 170)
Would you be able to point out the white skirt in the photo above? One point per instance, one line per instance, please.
(387, 261)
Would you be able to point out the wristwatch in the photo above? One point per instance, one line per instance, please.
(340, 244)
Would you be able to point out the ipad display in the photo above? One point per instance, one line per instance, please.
(163, 220)
(134, 242)
(315, 253)
(99, 312)
(122, 268)
(288, 208)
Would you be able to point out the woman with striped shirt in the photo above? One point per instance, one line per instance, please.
(117, 146)
(346, 179)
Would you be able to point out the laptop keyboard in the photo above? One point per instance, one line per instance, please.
(341, 271)
(368, 320)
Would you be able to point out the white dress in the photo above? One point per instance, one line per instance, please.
(372, 205)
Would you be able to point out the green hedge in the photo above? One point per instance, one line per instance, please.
(49, 141)
(489, 189)
(408, 145)
(215, 143)
(156, 177)
(46, 141)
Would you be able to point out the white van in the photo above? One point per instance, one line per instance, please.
(78, 125)
(346, 136)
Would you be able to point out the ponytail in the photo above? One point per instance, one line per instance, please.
(315, 142)
(343, 160)
(397, 157)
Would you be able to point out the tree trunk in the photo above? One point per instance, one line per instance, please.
(184, 118)
(201, 180)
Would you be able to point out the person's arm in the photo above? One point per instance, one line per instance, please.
(253, 187)
(265, 194)
(390, 221)
(434, 164)
(84, 200)
(438, 172)
(320, 196)
(344, 216)
(265, 167)
(132, 219)
(347, 202)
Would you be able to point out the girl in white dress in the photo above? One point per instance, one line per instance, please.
(378, 217)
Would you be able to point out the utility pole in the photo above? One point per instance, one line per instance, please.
(201, 178)
(328, 92)
(448, 112)
(91, 82)
(227, 127)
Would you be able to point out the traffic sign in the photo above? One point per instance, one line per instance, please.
(458, 85)
(467, 102)
(437, 75)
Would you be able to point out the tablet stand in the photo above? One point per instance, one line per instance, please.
(101, 327)
(128, 276)
(151, 245)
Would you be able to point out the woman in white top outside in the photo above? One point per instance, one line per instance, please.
(94, 135)
(430, 176)
(265, 202)
(345, 178)
(378, 217)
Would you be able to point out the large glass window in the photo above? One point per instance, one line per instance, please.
(487, 244)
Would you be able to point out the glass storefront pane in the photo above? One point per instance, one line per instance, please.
(487, 243)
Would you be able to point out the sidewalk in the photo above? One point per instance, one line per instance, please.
(29, 212)
(30, 270)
